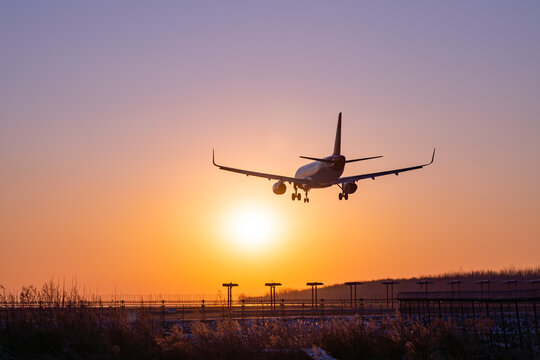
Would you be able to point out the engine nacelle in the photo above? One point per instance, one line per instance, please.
(279, 188)
(349, 188)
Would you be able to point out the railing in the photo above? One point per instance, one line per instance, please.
(470, 295)
(214, 309)
(513, 314)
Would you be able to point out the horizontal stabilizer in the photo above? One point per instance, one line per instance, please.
(317, 159)
(362, 159)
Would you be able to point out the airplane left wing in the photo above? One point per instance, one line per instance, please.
(372, 176)
(288, 179)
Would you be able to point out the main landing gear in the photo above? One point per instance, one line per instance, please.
(297, 196)
(343, 195)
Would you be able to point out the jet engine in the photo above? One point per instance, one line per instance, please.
(349, 188)
(279, 188)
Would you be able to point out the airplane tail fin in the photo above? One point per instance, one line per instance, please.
(337, 143)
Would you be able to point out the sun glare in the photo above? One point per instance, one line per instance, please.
(251, 228)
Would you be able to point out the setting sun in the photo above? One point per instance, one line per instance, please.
(251, 227)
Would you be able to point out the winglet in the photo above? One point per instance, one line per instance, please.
(432, 158)
(213, 158)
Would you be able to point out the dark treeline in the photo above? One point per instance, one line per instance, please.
(374, 289)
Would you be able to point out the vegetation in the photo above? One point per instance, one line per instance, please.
(509, 272)
(87, 333)
(51, 323)
(374, 289)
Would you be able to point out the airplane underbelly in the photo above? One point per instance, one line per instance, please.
(325, 177)
(320, 175)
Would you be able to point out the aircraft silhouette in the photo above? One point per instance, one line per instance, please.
(322, 173)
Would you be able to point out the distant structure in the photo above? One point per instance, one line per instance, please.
(314, 292)
(533, 282)
(351, 284)
(390, 283)
(272, 286)
(509, 283)
(455, 282)
(482, 283)
(424, 283)
(229, 287)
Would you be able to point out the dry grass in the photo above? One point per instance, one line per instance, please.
(78, 332)
(86, 333)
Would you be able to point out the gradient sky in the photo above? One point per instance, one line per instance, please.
(109, 112)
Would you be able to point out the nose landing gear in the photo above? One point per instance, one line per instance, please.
(296, 195)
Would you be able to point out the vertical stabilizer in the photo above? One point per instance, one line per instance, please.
(337, 143)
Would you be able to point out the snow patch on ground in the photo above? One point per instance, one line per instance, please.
(318, 354)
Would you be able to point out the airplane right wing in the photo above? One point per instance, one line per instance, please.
(372, 176)
(288, 179)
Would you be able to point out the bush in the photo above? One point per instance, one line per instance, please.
(67, 333)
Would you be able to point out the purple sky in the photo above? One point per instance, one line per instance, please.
(106, 103)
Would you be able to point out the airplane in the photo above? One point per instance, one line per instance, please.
(322, 173)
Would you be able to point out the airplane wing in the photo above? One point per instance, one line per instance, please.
(372, 176)
(288, 179)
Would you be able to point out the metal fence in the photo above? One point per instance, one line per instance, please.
(211, 309)
(512, 316)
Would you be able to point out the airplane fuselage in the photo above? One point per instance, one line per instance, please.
(322, 174)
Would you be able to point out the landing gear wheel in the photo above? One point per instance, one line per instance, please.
(346, 196)
(340, 196)
(299, 196)
(306, 199)
(293, 196)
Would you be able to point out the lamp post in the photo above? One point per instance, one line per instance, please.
(508, 283)
(390, 283)
(229, 287)
(314, 292)
(426, 283)
(481, 283)
(272, 286)
(351, 284)
(532, 282)
(455, 282)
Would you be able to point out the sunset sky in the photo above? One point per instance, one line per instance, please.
(109, 112)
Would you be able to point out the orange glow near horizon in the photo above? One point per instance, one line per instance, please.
(108, 118)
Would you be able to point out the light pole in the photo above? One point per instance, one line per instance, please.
(272, 286)
(351, 284)
(532, 282)
(314, 292)
(229, 287)
(455, 282)
(390, 283)
(426, 283)
(482, 282)
(508, 282)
